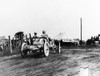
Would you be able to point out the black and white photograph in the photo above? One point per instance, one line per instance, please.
(49, 37)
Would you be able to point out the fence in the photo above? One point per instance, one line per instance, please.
(10, 46)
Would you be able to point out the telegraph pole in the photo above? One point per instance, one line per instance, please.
(81, 29)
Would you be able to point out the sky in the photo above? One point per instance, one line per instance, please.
(54, 16)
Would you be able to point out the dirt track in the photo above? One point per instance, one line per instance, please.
(69, 63)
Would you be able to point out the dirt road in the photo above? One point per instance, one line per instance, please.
(71, 62)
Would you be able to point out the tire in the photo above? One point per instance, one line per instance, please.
(46, 49)
(23, 50)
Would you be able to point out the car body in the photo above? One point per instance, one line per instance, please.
(39, 44)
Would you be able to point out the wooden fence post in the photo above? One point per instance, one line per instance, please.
(30, 38)
(59, 46)
(29, 35)
(10, 44)
(26, 37)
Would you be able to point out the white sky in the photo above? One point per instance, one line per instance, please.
(54, 16)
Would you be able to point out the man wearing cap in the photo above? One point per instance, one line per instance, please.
(35, 35)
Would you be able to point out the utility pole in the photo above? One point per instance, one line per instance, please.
(81, 29)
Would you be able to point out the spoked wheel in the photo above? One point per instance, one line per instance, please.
(23, 50)
(46, 49)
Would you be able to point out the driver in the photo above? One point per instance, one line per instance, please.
(35, 35)
(45, 35)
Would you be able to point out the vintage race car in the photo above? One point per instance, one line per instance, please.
(39, 44)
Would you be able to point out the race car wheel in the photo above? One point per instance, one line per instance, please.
(23, 50)
(46, 49)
